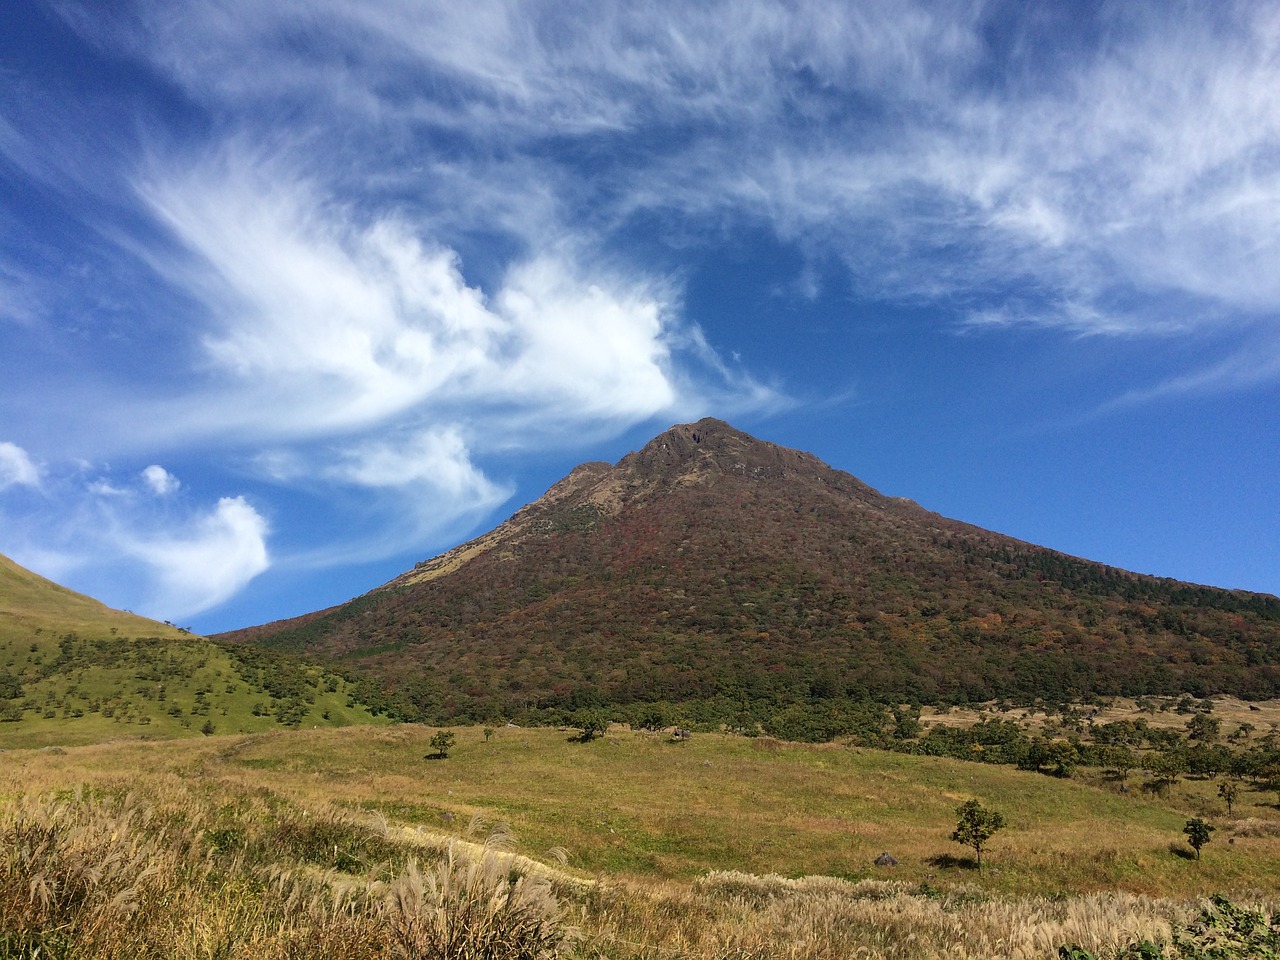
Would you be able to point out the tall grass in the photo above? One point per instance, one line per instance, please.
(112, 877)
(319, 844)
(472, 907)
(737, 916)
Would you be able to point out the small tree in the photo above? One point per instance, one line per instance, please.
(1228, 790)
(442, 742)
(977, 825)
(1197, 832)
(488, 734)
(591, 723)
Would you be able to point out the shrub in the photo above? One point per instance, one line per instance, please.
(1223, 931)
(442, 742)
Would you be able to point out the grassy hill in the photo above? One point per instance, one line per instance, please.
(302, 844)
(36, 610)
(74, 671)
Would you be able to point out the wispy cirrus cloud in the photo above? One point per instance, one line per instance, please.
(338, 320)
(381, 241)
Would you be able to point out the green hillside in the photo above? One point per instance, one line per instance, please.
(74, 671)
(34, 609)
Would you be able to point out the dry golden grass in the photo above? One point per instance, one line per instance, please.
(819, 918)
(1264, 716)
(95, 877)
(336, 844)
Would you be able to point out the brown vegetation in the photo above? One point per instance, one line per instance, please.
(716, 569)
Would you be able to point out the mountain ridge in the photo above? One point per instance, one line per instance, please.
(711, 564)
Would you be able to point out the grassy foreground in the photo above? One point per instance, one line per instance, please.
(322, 843)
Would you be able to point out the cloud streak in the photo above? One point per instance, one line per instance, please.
(379, 242)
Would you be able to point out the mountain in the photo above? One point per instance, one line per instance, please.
(714, 569)
(73, 670)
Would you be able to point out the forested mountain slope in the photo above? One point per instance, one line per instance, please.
(714, 567)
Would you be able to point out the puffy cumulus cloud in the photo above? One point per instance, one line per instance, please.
(16, 467)
(588, 350)
(206, 562)
(160, 481)
(435, 457)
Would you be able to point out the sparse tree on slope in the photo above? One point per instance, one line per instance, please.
(1197, 832)
(977, 825)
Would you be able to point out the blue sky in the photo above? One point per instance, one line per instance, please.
(293, 295)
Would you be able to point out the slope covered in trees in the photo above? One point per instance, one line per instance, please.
(715, 568)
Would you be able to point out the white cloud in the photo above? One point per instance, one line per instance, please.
(102, 487)
(346, 324)
(434, 457)
(146, 554)
(160, 481)
(1142, 157)
(16, 467)
(1260, 364)
(205, 563)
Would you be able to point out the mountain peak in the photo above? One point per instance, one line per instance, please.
(702, 451)
(709, 564)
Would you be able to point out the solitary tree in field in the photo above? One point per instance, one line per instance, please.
(1197, 832)
(1227, 790)
(441, 743)
(977, 825)
(591, 723)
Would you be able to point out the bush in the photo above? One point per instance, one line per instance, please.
(442, 742)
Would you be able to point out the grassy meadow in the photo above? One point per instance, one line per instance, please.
(298, 842)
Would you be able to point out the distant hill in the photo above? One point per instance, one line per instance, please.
(73, 670)
(717, 570)
(30, 606)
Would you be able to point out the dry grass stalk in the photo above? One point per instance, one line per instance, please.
(735, 915)
(473, 907)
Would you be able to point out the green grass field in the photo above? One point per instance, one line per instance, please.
(73, 671)
(639, 806)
